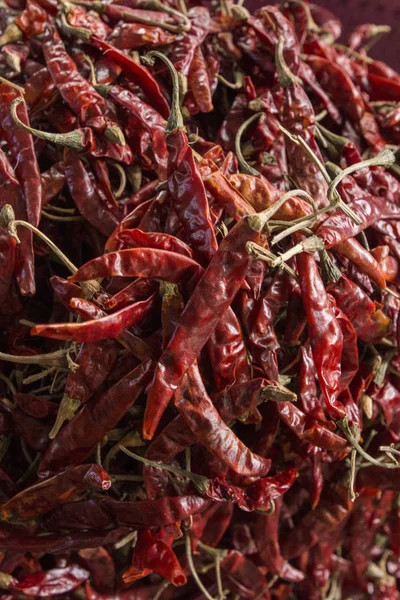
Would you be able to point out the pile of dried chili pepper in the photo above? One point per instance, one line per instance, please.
(199, 303)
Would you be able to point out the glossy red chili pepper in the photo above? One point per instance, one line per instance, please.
(109, 326)
(339, 85)
(85, 195)
(130, 36)
(52, 582)
(153, 554)
(135, 73)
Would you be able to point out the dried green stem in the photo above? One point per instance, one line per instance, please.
(285, 75)
(202, 483)
(260, 220)
(236, 85)
(51, 359)
(384, 159)
(175, 120)
(72, 139)
(243, 165)
(343, 424)
(193, 568)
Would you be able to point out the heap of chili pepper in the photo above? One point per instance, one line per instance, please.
(199, 303)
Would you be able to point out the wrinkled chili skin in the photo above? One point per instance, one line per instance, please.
(323, 330)
(98, 416)
(220, 281)
(189, 196)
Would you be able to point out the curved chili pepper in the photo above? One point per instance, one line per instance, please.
(270, 24)
(98, 416)
(85, 195)
(95, 361)
(201, 416)
(266, 538)
(184, 50)
(136, 73)
(12, 539)
(339, 85)
(199, 83)
(370, 323)
(78, 93)
(130, 36)
(148, 117)
(363, 259)
(109, 326)
(140, 262)
(153, 554)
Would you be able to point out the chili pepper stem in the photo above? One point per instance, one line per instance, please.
(11, 35)
(261, 253)
(352, 477)
(329, 269)
(259, 221)
(236, 85)
(202, 483)
(311, 244)
(52, 359)
(115, 134)
(243, 165)
(66, 411)
(73, 139)
(193, 568)
(83, 34)
(13, 85)
(343, 424)
(175, 120)
(384, 159)
(12, 229)
(285, 75)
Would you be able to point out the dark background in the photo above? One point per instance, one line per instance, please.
(355, 12)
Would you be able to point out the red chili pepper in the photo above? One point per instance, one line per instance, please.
(130, 36)
(153, 554)
(21, 146)
(338, 84)
(142, 514)
(52, 582)
(86, 197)
(203, 419)
(323, 329)
(135, 73)
(370, 323)
(228, 266)
(44, 496)
(94, 420)
(266, 538)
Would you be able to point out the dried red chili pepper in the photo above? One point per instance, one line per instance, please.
(323, 330)
(98, 416)
(44, 496)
